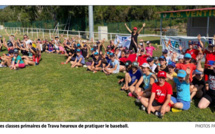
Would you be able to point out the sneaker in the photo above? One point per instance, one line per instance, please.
(76, 66)
(63, 63)
(130, 94)
(143, 108)
(85, 66)
(158, 114)
(88, 69)
(175, 110)
(1, 65)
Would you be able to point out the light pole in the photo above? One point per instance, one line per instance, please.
(90, 12)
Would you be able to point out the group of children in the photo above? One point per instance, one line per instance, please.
(159, 84)
(20, 53)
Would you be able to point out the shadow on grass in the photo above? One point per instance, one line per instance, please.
(155, 41)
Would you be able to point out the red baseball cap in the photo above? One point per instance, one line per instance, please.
(135, 28)
(161, 74)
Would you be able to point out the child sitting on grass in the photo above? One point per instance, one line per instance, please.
(113, 66)
(159, 102)
(17, 61)
(79, 60)
(182, 83)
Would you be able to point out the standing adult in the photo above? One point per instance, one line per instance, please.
(134, 35)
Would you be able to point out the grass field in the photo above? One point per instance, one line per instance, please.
(55, 92)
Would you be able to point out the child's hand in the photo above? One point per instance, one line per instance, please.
(188, 70)
(144, 24)
(199, 37)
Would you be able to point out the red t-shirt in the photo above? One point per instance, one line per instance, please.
(185, 66)
(142, 59)
(209, 56)
(132, 57)
(123, 59)
(161, 92)
(193, 52)
(36, 59)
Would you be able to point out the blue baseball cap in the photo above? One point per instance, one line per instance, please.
(108, 53)
(149, 59)
(162, 57)
(181, 73)
(78, 45)
(111, 55)
(171, 64)
(187, 55)
(211, 63)
(78, 50)
(96, 53)
(92, 49)
(197, 72)
(165, 51)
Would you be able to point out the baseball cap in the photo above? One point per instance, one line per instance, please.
(190, 42)
(162, 57)
(56, 37)
(84, 41)
(11, 51)
(211, 63)
(197, 72)
(96, 53)
(111, 54)
(155, 58)
(187, 55)
(78, 45)
(92, 49)
(165, 51)
(131, 51)
(149, 59)
(97, 42)
(171, 64)
(78, 50)
(108, 53)
(161, 74)
(127, 63)
(142, 50)
(181, 57)
(15, 51)
(135, 28)
(127, 52)
(135, 64)
(148, 42)
(85, 45)
(181, 73)
(145, 65)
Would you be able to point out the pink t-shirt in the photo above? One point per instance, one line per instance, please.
(150, 50)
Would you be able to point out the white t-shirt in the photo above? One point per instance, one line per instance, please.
(153, 67)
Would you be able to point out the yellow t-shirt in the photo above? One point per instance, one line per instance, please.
(171, 82)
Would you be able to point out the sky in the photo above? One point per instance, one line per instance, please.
(1, 7)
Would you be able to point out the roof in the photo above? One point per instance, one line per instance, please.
(186, 10)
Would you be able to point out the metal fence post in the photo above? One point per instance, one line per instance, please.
(49, 34)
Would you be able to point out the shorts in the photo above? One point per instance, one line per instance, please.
(36, 63)
(186, 104)
(114, 72)
(72, 59)
(209, 96)
(22, 65)
(155, 103)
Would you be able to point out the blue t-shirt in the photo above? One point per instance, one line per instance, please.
(108, 60)
(146, 80)
(82, 60)
(115, 62)
(183, 90)
(135, 76)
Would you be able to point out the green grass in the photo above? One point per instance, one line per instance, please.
(55, 92)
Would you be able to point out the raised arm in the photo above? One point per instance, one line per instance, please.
(188, 75)
(141, 28)
(199, 66)
(128, 28)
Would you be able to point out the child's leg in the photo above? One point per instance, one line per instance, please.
(205, 102)
(122, 68)
(68, 59)
(144, 101)
(199, 93)
(79, 65)
(193, 92)
(127, 80)
(178, 105)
